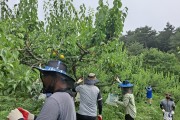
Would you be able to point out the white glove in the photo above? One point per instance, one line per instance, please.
(115, 100)
(31, 116)
(163, 110)
(117, 79)
(15, 115)
(79, 81)
(23, 111)
(172, 112)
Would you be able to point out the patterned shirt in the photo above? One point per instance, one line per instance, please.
(129, 104)
(89, 95)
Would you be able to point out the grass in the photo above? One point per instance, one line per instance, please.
(144, 111)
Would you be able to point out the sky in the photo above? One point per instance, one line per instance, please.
(141, 13)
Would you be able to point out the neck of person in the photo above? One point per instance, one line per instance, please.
(60, 86)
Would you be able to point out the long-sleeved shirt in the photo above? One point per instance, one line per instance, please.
(89, 98)
(59, 106)
(167, 105)
(129, 104)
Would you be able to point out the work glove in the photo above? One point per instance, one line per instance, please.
(172, 112)
(80, 80)
(26, 114)
(15, 115)
(99, 117)
(118, 80)
(163, 110)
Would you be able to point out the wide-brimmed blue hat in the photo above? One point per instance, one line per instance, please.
(125, 83)
(91, 79)
(56, 66)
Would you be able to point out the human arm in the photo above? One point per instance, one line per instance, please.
(77, 84)
(99, 101)
(161, 106)
(118, 80)
(50, 110)
(125, 101)
(173, 106)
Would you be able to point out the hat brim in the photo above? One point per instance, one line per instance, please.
(50, 69)
(126, 85)
(91, 82)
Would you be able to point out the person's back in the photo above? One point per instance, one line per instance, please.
(88, 99)
(59, 106)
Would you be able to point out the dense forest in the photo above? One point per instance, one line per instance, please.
(87, 42)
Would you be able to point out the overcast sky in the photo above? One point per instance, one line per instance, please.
(153, 13)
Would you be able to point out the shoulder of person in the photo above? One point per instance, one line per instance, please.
(79, 86)
(58, 94)
(163, 100)
(128, 95)
(96, 87)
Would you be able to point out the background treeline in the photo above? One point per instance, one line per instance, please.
(90, 42)
(161, 49)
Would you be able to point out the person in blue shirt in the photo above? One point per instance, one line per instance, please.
(149, 95)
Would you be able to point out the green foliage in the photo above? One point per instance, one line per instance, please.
(160, 61)
(14, 76)
(135, 49)
(87, 46)
(164, 37)
(9, 103)
(144, 35)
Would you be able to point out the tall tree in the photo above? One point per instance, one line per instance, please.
(175, 43)
(164, 38)
(144, 35)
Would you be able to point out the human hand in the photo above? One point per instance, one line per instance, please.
(118, 80)
(163, 110)
(172, 112)
(15, 115)
(116, 100)
(99, 117)
(80, 80)
(26, 114)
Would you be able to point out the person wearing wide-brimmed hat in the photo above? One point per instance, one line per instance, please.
(60, 105)
(90, 96)
(128, 100)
